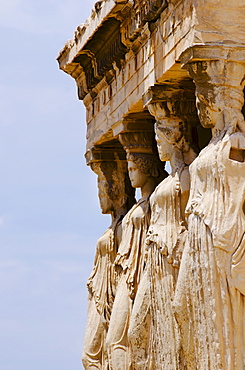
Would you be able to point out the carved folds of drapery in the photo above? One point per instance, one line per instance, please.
(116, 197)
(167, 288)
(188, 303)
(209, 300)
(146, 171)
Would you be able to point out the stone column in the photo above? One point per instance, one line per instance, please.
(116, 197)
(145, 172)
(210, 295)
(153, 332)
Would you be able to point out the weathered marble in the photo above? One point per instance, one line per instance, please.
(167, 289)
(116, 197)
(145, 172)
(210, 295)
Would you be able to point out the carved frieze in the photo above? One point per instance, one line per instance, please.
(148, 10)
(98, 55)
(108, 46)
(142, 11)
(167, 288)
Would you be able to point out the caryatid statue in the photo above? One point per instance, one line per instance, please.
(145, 172)
(210, 293)
(116, 197)
(153, 334)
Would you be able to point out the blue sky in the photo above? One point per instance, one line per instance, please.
(48, 197)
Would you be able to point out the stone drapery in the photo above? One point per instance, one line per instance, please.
(167, 290)
(188, 310)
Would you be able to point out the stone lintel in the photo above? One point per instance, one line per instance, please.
(106, 154)
(231, 53)
(127, 47)
(140, 122)
(168, 92)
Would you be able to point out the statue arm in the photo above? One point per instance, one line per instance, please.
(118, 234)
(184, 190)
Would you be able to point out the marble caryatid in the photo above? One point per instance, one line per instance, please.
(167, 291)
(210, 297)
(153, 334)
(145, 172)
(116, 196)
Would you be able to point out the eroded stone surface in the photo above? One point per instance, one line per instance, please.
(167, 289)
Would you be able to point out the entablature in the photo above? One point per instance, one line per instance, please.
(128, 46)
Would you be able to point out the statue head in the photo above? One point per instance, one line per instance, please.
(173, 128)
(210, 106)
(114, 189)
(142, 157)
(219, 94)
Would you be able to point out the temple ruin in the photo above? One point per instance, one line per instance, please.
(164, 81)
